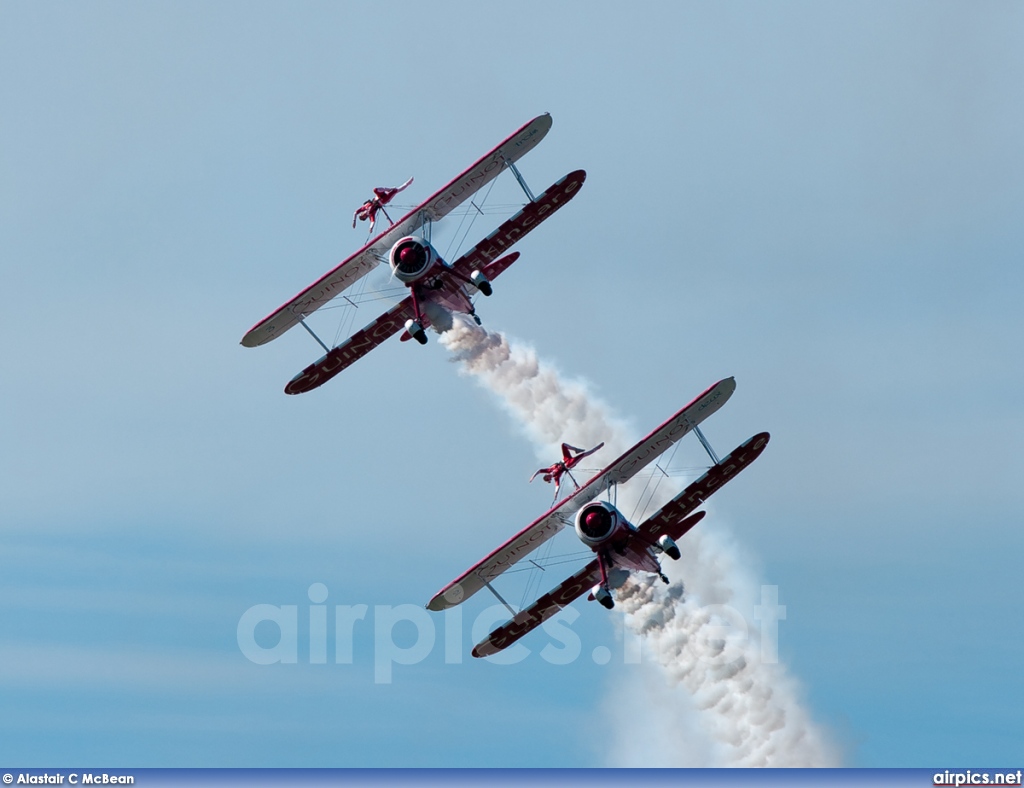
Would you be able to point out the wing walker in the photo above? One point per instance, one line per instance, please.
(382, 195)
(437, 288)
(571, 456)
(619, 546)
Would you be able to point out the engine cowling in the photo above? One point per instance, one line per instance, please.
(598, 523)
(411, 258)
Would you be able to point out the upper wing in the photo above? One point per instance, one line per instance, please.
(437, 206)
(524, 542)
(658, 441)
(549, 523)
(539, 612)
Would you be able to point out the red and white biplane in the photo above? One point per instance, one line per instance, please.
(620, 546)
(436, 287)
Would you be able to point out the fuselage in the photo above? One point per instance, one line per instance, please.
(420, 267)
(606, 531)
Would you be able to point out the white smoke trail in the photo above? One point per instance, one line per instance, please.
(549, 408)
(747, 707)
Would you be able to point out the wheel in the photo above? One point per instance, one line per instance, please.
(416, 331)
(668, 546)
(607, 601)
(481, 282)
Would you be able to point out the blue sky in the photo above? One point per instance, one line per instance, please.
(823, 200)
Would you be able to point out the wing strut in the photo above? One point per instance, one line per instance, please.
(499, 597)
(522, 182)
(303, 321)
(705, 444)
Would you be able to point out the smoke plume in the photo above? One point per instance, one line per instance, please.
(547, 407)
(706, 668)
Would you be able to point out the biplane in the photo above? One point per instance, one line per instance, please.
(619, 546)
(436, 288)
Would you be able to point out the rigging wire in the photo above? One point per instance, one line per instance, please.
(643, 512)
(359, 295)
(465, 235)
(458, 229)
(690, 470)
(533, 579)
(348, 317)
(493, 208)
(567, 558)
(381, 294)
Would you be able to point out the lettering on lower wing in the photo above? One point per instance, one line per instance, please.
(539, 611)
(352, 349)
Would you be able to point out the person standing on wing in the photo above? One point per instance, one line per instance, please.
(571, 455)
(382, 195)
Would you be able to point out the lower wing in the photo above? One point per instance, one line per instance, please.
(352, 349)
(540, 611)
(669, 516)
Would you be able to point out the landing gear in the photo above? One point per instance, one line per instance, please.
(415, 327)
(600, 592)
(477, 279)
(603, 595)
(663, 578)
(668, 546)
(481, 283)
(416, 331)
